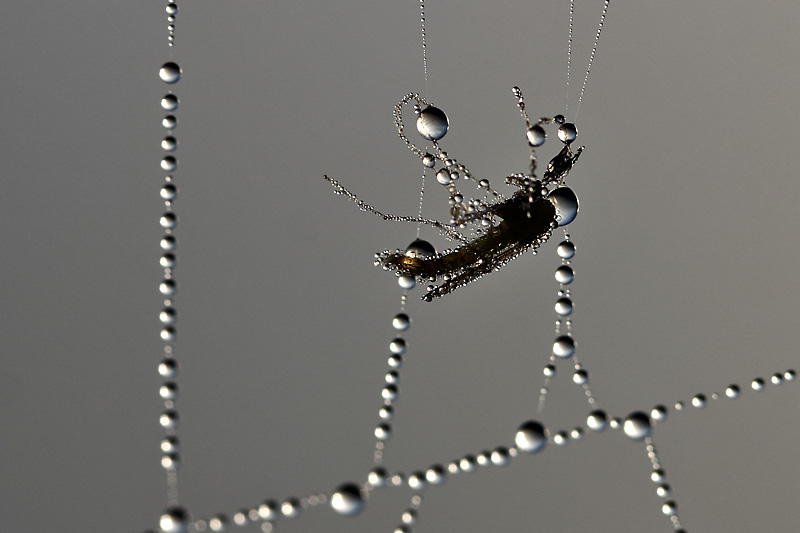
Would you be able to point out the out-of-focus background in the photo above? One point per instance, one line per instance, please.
(686, 254)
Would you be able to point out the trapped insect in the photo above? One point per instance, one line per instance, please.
(500, 228)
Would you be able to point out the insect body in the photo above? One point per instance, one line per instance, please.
(501, 229)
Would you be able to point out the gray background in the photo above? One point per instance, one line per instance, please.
(685, 268)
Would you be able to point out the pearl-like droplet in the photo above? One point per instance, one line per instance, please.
(347, 499)
(566, 204)
(432, 123)
(170, 72)
(637, 426)
(530, 437)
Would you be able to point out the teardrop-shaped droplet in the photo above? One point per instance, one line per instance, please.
(566, 204)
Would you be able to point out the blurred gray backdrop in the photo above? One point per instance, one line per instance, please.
(685, 269)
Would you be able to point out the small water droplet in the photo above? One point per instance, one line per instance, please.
(597, 420)
(401, 322)
(776, 379)
(565, 274)
(347, 500)
(757, 384)
(530, 437)
(428, 160)
(172, 8)
(168, 220)
(699, 401)
(467, 463)
(580, 377)
(168, 334)
(732, 391)
(168, 287)
(663, 490)
(560, 438)
(290, 508)
(443, 176)
(406, 282)
(168, 390)
(168, 242)
(417, 481)
(564, 306)
(500, 457)
(389, 392)
(169, 143)
(169, 102)
(169, 192)
(669, 508)
(169, 122)
(218, 523)
(169, 163)
(536, 135)
(435, 475)
(377, 477)
(549, 371)
(566, 249)
(383, 432)
(432, 123)
(397, 346)
(174, 520)
(168, 419)
(659, 413)
(395, 361)
(789, 375)
(168, 368)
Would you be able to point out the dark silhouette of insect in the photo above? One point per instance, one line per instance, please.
(501, 229)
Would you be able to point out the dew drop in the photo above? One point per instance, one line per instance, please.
(699, 401)
(168, 287)
(218, 523)
(407, 282)
(168, 242)
(420, 249)
(170, 72)
(757, 384)
(435, 475)
(378, 477)
(566, 249)
(386, 412)
(664, 490)
(567, 133)
(168, 220)
(169, 122)
(563, 306)
(397, 346)
(530, 437)
(564, 347)
(390, 393)
(174, 520)
(432, 123)
(169, 192)
(560, 438)
(169, 144)
(443, 176)
(172, 8)
(657, 475)
(500, 457)
(597, 420)
(536, 135)
(290, 508)
(659, 413)
(169, 163)
(417, 481)
(428, 160)
(580, 377)
(383, 432)
(789, 375)
(669, 508)
(395, 361)
(732, 391)
(565, 274)
(776, 379)
(566, 204)
(169, 102)
(347, 499)
(549, 371)
(467, 463)
(637, 426)
(170, 461)
(168, 419)
(168, 368)
(401, 322)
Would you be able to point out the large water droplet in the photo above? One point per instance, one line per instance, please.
(169, 192)
(566, 204)
(432, 123)
(536, 136)
(530, 437)
(397, 346)
(169, 122)
(347, 499)
(170, 72)
(564, 346)
(420, 249)
(565, 274)
(169, 144)
(567, 133)
(637, 426)
(168, 419)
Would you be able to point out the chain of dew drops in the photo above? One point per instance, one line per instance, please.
(349, 498)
